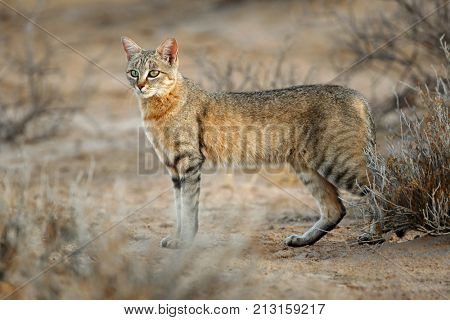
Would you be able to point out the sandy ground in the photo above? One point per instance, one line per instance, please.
(241, 211)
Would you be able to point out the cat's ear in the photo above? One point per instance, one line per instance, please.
(168, 50)
(130, 47)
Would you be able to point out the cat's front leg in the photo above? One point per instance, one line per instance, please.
(187, 192)
(173, 242)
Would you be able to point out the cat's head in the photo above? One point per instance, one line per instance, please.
(152, 72)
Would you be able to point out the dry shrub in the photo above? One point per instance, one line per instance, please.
(249, 74)
(55, 243)
(246, 75)
(409, 56)
(411, 187)
(33, 105)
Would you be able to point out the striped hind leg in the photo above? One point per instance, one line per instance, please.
(331, 208)
(358, 183)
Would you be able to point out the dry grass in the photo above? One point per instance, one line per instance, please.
(411, 187)
(53, 235)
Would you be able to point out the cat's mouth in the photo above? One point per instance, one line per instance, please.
(145, 93)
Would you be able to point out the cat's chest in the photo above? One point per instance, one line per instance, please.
(168, 139)
(159, 138)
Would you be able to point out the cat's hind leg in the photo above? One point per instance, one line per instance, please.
(331, 208)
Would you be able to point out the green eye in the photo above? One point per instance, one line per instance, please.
(134, 73)
(153, 73)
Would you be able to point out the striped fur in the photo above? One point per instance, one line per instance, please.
(320, 130)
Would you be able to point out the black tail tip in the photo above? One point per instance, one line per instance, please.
(363, 191)
(400, 233)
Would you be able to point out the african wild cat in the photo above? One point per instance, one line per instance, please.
(322, 131)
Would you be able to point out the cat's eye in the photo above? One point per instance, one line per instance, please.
(153, 73)
(134, 73)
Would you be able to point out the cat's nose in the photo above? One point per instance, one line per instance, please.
(140, 85)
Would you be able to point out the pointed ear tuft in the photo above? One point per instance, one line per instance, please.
(130, 47)
(169, 50)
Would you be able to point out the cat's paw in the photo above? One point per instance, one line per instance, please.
(370, 238)
(170, 243)
(296, 241)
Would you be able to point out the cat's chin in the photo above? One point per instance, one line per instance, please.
(146, 95)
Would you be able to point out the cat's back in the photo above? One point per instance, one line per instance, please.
(313, 102)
